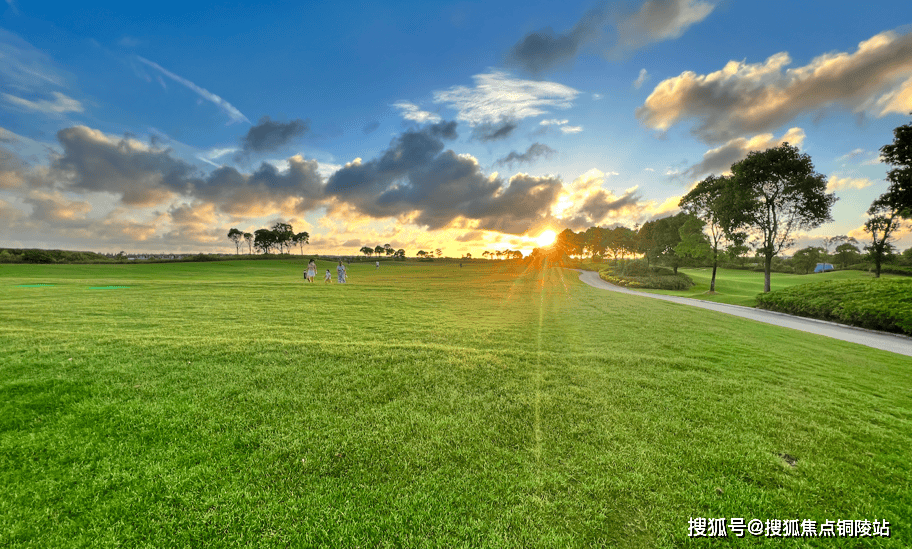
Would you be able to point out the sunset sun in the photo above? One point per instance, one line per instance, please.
(546, 238)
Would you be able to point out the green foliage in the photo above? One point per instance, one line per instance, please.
(805, 260)
(901, 270)
(846, 254)
(10, 255)
(879, 304)
(776, 192)
(635, 274)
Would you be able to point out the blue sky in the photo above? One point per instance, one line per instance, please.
(465, 126)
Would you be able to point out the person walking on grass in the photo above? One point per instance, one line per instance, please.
(311, 271)
(378, 264)
(340, 270)
(328, 278)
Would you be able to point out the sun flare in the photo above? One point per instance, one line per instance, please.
(546, 238)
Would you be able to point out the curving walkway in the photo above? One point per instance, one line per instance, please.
(879, 340)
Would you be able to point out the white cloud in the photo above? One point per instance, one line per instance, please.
(497, 96)
(836, 183)
(212, 154)
(745, 98)
(641, 79)
(854, 153)
(224, 106)
(411, 111)
(596, 96)
(59, 105)
(562, 125)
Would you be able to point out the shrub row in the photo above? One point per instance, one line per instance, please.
(884, 269)
(636, 274)
(10, 255)
(879, 304)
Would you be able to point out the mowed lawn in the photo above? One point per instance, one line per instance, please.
(738, 287)
(424, 405)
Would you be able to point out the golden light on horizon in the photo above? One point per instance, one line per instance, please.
(546, 238)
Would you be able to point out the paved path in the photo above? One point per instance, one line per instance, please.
(879, 340)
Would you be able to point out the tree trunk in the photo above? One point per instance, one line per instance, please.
(767, 267)
(712, 281)
(877, 266)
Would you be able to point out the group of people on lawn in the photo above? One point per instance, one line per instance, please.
(311, 273)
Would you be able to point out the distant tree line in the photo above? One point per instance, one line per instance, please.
(386, 249)
(500, 254)
(278, 239)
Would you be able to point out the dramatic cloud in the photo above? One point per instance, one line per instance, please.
(494, 132)
(655, 21)
(270, 135)
(718, 161)
(836, 183)
(142, 176)
(535, 151)
(59, 105)
(416, 178)
(584, 202)
(267, 190)
(53, 207)
(745, 98)
(224, 106)
(411, 111)
(497, 97)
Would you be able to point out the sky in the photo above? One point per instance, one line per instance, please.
(465, 126)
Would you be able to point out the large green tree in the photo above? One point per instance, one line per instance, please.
(712, 201)
(264, 240)
(777, 193)
(236, 235)
(300, 239)
(890, 209)
(847, 253)
(899, 155)
(805, 259)
(284, 235)
(885, 221)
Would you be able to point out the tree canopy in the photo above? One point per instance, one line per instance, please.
(775, 194)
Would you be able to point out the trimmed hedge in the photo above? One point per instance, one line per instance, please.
(635, 274)
(889, 268)
(877, 304)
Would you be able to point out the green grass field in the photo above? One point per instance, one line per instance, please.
(422, 405)
(738, 287)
